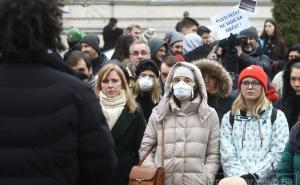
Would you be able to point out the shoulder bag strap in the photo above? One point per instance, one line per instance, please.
(152, 147)
(146, 155)
(163, 143)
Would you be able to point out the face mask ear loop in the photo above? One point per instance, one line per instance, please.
(171, 88)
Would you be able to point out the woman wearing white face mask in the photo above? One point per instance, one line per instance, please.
(147, 88)
(191, 130)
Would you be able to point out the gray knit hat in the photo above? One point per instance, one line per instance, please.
(250, 32)
(92, 40)
(154, 44)
(176, 36)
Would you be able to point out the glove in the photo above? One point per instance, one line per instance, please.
(250, 178)
(232, 181)
(231, 43)
(223, 43)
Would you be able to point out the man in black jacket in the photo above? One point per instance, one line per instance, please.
(111, 34)
(52, 128)
(89, 44)
(243, 51)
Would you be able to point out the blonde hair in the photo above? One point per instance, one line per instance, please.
(155, 93)
(103, 73)
(262, 102)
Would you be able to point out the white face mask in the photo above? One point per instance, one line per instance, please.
(183, 91)
(146, 84)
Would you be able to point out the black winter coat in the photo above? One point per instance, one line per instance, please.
(290, 101)
(146, 104)
(197, 53)
(290, 106)
(221, 105)
(52, 129)
(98, 63)
(128, 132)
(110, 36)
(277, 56)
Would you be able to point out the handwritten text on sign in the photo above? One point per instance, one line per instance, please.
(232, 20)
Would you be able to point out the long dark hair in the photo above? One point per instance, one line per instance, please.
(30, 26)
(122, 47)
(280, 47)
(288, 91)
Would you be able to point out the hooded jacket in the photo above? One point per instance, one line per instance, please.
(289, 168)
(154, 44)
(191, 154)
(222, 100)
(253, 145)
(191, 41)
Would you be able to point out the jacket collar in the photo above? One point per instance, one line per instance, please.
(123, 123)
(189, 107)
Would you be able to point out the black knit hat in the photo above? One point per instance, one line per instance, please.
(92, 40)
(147, 64)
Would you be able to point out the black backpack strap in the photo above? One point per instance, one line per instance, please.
(231, 119)
(273, 115)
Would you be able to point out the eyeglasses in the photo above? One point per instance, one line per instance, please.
(254, 84)
(137, 53)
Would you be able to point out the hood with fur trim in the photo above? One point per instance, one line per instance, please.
(219, 72)
(164, 104)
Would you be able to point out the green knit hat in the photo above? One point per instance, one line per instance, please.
(74, 35)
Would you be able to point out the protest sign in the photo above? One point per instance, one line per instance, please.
(248, 5)
(229, 21)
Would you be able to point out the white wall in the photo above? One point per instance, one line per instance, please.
(160, 15)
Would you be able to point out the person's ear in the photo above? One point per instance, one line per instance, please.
(90, 71)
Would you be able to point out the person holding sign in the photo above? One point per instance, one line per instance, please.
(242, 51)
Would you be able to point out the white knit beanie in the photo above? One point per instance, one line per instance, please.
(183, 71)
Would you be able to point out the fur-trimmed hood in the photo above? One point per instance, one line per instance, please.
(219, 72)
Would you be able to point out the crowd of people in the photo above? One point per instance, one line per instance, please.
(225, 112)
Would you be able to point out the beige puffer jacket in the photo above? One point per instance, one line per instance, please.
(191, 155)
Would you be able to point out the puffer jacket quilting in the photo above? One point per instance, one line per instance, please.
(191, 142)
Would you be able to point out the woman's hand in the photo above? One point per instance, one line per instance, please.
(232, 181)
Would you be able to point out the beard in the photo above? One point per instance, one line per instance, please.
(248, 48)
(177, 53)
